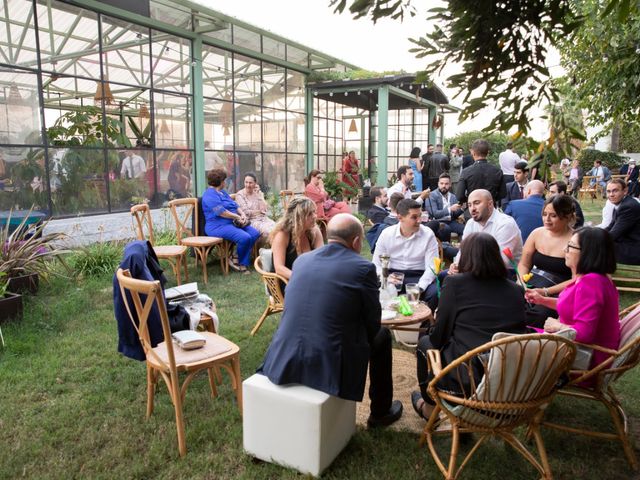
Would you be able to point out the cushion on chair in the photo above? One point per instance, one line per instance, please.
(266, 259)
(629, 325)
(169, 250)
(214, 346)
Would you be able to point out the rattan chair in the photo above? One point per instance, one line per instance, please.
(183, 210)
(167, 361)
(176, 255)
(275, 296)
(520, 376)
(601, 379)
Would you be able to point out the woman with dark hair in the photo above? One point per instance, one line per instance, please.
(475, 304)
(350, 174)
(251, 200)
(589, 304)
(224, 219)
(415, 162)
(326, 207)
(543, 255)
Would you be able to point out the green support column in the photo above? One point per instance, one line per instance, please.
(200, 182)
(309, 130)
(432, 131)
(383, 133)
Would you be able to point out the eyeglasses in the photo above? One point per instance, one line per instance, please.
(569, 246)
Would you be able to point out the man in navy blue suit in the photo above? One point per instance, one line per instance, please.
(625, 227)
(528, 212)
(443, 206)
(631, 171)
(515, 189)
(330, 329)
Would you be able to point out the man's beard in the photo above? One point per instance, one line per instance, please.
(443, 192)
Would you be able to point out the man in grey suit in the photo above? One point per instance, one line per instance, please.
(443, 206)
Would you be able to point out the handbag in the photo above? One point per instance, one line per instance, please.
(328, 204)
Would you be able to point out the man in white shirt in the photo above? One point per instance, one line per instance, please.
(403, 185)
(133, 166)
(485, 218)
(412, 248)
(508, 160)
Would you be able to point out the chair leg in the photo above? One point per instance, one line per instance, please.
(544, 460)
(177, 267)
(618, 418)
(151, 388)
(177, 404)
(186, 268)
(237, 380)
(455, 444)
(265, 314)
(212, 382)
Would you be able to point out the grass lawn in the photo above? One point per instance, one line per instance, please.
(72, 407)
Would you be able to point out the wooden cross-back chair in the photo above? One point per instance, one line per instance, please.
(166, 361)
(597, 383)
(285, 198)
(520, 376)
(275, 295)
(176, 255)
(183, 211)
(589, 190)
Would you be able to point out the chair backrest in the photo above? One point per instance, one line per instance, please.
(271, 282)
(147, 295)
(285, 198)
(142, 216)
(629, 322)
(520, 375)
(183, 209)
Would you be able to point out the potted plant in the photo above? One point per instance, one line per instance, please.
(10, 303)
(27, 252)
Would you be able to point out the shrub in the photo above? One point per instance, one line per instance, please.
(587, 156)
(97, 259)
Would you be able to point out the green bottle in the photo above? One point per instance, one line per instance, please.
(403, 307)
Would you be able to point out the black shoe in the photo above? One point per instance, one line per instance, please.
(394, 413)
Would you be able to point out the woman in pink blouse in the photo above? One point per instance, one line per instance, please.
(251, 200)
(326, 207)
(590, 303)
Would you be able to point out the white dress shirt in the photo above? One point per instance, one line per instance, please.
(607, 214)
(400, 187)
(408, 253)
(133, 166)
(508, 160)
(504, 229)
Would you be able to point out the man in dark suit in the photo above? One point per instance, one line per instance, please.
(515, 190)
(631, 172)
(438, 164)
(378, 211)
(560, 188)
(625, 226)
(330, 329)
(443, 206)
(528, 212)
(480, 175)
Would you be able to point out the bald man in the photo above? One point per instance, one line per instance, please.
(528, 212)
(485, 218)
(330, 329)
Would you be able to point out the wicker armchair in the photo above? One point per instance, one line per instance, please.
(275, 295)
(597, 383)
(520, 377)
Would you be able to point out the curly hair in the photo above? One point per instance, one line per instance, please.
(294, 219)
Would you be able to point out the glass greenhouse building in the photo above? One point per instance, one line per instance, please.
(104, 104)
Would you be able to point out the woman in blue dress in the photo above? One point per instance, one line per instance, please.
(224, 219)
(415, 162)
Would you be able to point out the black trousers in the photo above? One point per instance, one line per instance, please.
(424, 376)
(380, 377)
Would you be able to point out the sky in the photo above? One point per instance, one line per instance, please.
(378, 47)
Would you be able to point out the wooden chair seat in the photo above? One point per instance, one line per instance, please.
(167, 251)
(200, 241)
(217, 347)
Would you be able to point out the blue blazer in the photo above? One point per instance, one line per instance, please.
(513, 193)
(331, 315)
(527, 213)
(435, 205)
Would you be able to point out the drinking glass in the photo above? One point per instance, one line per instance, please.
(413, 293)
(396, 278)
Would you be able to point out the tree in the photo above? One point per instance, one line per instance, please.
(601, 60)
(501, 47)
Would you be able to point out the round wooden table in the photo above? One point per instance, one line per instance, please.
(421, 312)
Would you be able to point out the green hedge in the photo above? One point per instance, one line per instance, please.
(611, 160)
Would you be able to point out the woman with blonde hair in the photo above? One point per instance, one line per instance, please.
(294, 234)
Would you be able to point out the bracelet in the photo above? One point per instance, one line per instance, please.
(546, 291)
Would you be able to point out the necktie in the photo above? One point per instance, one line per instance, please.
(521, 191)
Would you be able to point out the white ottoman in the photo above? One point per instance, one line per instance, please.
(294, 425)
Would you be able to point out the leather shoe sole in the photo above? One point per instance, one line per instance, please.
(394, 413)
